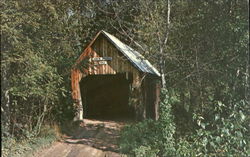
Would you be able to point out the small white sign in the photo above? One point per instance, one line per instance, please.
(102, 59)
(103, 62)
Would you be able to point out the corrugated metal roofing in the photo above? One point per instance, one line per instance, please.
(133, 56)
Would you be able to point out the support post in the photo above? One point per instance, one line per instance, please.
(79, 110)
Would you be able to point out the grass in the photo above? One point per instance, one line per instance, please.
(27, 146)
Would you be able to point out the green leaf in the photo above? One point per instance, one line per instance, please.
(218, 139)
(216, 117)
(203, 125)
(242, 116)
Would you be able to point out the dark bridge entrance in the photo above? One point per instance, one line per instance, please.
(106, 96)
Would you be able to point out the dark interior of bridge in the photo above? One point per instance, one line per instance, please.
(106, 97)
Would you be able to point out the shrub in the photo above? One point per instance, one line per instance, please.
(151, 138)
(225, 133)
(14, 147)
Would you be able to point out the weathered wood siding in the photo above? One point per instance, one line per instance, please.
(101, 48)
(151, 96)
(144, 92)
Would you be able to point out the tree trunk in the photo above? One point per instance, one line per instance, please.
(162, 60)
(5, 99)
(247, 92)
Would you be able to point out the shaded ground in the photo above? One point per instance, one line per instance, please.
(93, 138)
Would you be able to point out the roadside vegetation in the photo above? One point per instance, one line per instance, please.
(200, 47)
(28, 145)
(227, 135)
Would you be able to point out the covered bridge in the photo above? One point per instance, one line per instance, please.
(110, 79)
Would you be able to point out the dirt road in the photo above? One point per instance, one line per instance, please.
(92, 138)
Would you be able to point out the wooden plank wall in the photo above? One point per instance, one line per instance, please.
(151, 96)
(102, 47)
(119, 63)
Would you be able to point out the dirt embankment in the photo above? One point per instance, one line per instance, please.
(92, 138)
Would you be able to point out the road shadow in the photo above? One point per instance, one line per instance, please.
(100, 134)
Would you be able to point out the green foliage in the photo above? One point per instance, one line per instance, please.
(202, 45)
(151, 138)
(35, 63)
(184, 148)
(11, 147)
(145, 151)
(226, 135)
(207, 69)
(141, 135)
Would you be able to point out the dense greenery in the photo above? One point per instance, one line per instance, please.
(150, 137)
(200, 46)
(207, 71)
(221, 136)
(28, 146)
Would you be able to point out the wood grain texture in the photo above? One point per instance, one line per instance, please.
(144, 93)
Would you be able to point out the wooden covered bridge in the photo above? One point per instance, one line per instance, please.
(110, 79)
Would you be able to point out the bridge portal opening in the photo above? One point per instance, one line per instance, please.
(106, 96)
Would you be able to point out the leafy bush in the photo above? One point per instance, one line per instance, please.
(224, 133)
(151, 138)
(145, 151)
(13, 147)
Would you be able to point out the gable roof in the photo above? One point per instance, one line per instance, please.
(132, 55)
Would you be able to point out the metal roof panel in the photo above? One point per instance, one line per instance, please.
(135, 57)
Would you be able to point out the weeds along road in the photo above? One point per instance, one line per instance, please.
(92, 138)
